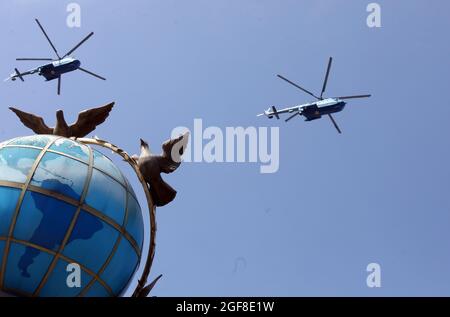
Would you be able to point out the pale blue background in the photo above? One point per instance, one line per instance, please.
(376, 193)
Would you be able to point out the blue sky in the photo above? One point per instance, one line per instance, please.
(376, 193)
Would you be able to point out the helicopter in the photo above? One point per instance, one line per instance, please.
(316, 109)
(57, 67)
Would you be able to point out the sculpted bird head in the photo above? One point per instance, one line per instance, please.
(145, 150)
(60, 115)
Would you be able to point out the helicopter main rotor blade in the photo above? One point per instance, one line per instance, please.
(33, 59)
(334, 122)
(91, 73)
(79, 44)
(326, 77)
(353, 97)
(295, 114)
(48, 39)
(59, 85)
(295, 85)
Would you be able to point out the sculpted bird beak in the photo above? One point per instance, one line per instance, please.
(144, 144)
(184, 141)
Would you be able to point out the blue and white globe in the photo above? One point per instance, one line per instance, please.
(64, 203)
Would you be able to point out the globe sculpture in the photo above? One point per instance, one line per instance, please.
(64, 204)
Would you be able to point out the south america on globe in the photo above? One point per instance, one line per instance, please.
(65, 204)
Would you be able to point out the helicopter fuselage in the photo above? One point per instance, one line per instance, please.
(314, 110)
(52, 70)
(323, 107)
(57, 68)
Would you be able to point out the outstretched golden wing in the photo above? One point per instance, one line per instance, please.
(88, 120)
(32, 121)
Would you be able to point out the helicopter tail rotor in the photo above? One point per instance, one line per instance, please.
(18, 74)
(275, 112)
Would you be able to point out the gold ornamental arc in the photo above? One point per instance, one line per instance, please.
(142, 288)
